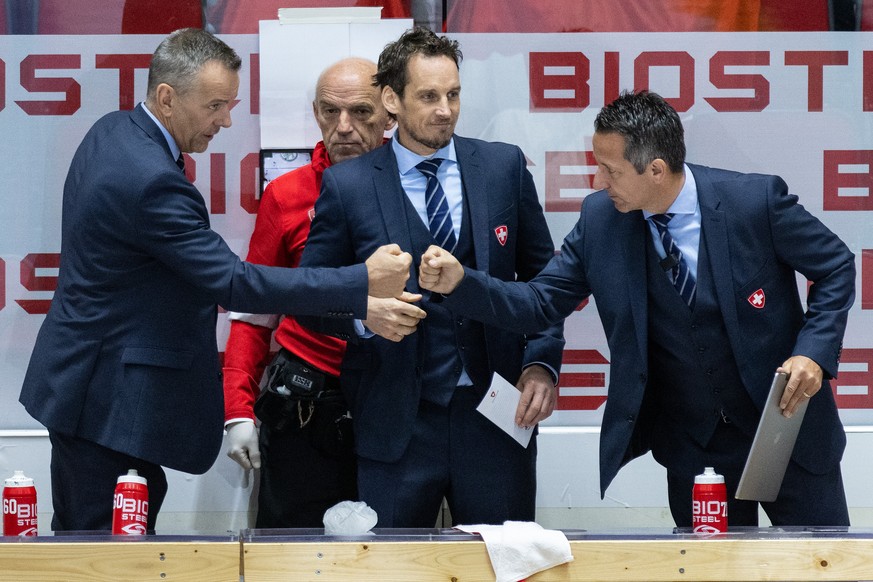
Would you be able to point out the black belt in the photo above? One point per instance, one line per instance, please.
(303, 375)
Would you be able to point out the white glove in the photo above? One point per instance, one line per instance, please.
(242, 444)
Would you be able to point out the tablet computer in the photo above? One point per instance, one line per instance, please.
(772, 447)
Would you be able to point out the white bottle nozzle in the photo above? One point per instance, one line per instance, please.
(18, 479)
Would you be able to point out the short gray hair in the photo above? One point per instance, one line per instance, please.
(181, 56)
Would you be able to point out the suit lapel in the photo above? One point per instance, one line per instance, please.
(633, 251)
(713, 227)
(142, 119)
(391, 199)
(476, 196)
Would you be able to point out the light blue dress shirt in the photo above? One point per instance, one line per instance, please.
(684, 227)
(174, 149)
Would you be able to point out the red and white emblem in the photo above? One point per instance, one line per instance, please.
(757, 299)
(502, 233)
(311, 214)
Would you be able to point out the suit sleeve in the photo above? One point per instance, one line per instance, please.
(810, 248)
(173, 226)
(532, 306)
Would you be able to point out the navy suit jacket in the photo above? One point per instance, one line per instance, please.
(127, 355)
(757, 235)
(362, 206)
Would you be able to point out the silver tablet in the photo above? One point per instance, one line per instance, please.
(772, 447)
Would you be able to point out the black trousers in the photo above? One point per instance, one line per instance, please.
(805, 499)
(84, 475)
(298, 481)
(457, 454)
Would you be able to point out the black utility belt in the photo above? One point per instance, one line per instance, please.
(291, 377)
(298, 398)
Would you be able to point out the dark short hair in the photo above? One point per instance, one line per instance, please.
(394, 60)
(650, 126)
(181, 56)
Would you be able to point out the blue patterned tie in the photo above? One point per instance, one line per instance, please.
(681, 276)
(438, 217)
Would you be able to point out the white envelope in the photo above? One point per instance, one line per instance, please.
(499, 406)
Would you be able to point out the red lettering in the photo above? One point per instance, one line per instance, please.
(815, 62)
(66, 85)
(557, 181)
(721, 80)
(836, 178)
(190, 168)
(852, 388)
(571, 88)
(867, 86)
(611, 84)
(255, 84)
(866, 279)
(594, 382)
(249, 183)
(2, 84)
(127, 66)
(679, 59)
(33, 282)
(217, 184)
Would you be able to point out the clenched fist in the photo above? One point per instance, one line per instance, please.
(439, 271)
(388, 271)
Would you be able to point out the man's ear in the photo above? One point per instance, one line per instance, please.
(390, 100)
(165, 97)
(659, 170)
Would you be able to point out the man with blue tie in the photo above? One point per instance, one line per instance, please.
(413, 396)
(693, 270)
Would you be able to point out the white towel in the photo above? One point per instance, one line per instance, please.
(520, 548)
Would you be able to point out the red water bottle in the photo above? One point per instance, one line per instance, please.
(19, 506)
(709, 503)
(130, 508)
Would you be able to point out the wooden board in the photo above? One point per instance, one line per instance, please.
(129, 561)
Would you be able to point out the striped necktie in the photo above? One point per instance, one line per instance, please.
(438, 217)
(680, 275)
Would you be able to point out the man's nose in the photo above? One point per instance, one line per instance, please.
(598, 182)
(344, 125)
(225, 120)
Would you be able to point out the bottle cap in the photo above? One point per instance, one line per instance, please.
(19, 480)
(132, 477)
(709, 477)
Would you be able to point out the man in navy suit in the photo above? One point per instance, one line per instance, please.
(418, 435)
(125, 372)
(693, 270)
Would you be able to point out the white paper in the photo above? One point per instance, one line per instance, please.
(499, 406)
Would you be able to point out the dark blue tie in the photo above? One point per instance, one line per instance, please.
(680, 274)
(438, 217)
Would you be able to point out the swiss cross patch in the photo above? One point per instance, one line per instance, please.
(502, 233)
(757, 299)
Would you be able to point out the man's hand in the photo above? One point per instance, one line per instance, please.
(538, 396)
(393, 319)
(439, 271)
(804, 380)
(388, 271)
(242, 447)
